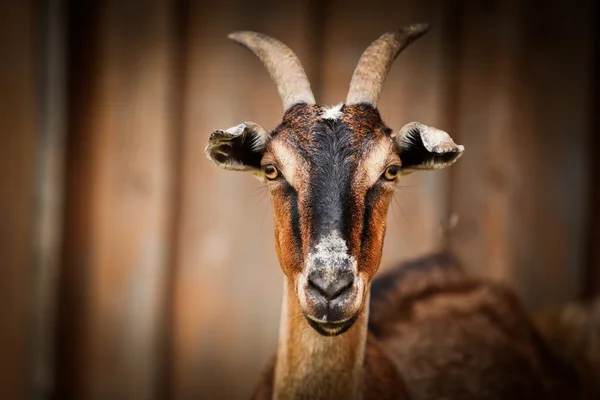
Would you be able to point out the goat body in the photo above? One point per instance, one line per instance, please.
(435, 332)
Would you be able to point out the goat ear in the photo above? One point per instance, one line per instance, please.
(239, 148)
(421, 147)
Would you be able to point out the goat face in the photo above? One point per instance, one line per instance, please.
(331, 174)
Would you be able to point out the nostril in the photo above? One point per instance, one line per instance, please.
(330, 285)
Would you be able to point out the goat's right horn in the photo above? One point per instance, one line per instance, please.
(283, 66)
(376, 61)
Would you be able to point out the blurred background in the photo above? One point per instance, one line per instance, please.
(132, 268)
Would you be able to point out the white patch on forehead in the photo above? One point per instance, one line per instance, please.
(330, 252)
(334, 112)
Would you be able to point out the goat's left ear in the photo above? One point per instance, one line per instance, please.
(239, 148)
(421, 147)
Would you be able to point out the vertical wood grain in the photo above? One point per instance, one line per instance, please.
(523, 90)
(591, 277)
(50, 149)
(17, 161)
(119, 210)
(73, 297)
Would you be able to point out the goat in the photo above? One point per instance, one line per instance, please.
(430, 331)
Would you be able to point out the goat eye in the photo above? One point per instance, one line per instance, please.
(271, 172)
(391, 173)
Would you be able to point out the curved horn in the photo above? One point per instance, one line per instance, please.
(283, 66)
(376, 61)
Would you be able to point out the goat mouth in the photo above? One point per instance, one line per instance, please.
(327, 328)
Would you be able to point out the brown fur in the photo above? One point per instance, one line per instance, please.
(447, 335)
(573, 332)
(292, 148)
(455, 336)
(295, 132)
(381, 379)
(312, 366)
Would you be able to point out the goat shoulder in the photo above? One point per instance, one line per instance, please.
(454, 336)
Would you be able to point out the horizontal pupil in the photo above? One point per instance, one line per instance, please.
(391, 172)
(271, 172)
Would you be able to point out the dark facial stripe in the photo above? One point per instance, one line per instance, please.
(370, 199)
(332, 163)
(291, 194)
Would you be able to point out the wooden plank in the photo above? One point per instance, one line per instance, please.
(17, 160)
(119, 206)
(520, 188)
(591, 276)
(415, 90)
(49, 193)
(227, 286)
(73, 299)
(486, 69)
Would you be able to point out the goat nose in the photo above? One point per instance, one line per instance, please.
(330, 284)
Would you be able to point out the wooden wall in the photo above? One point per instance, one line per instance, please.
(17, 161)
(119, 188)
(523, 94)
(131, 267)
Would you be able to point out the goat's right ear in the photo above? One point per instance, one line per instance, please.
(239, 148)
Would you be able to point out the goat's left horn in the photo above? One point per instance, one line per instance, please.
(283, 66)
(375, 62)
